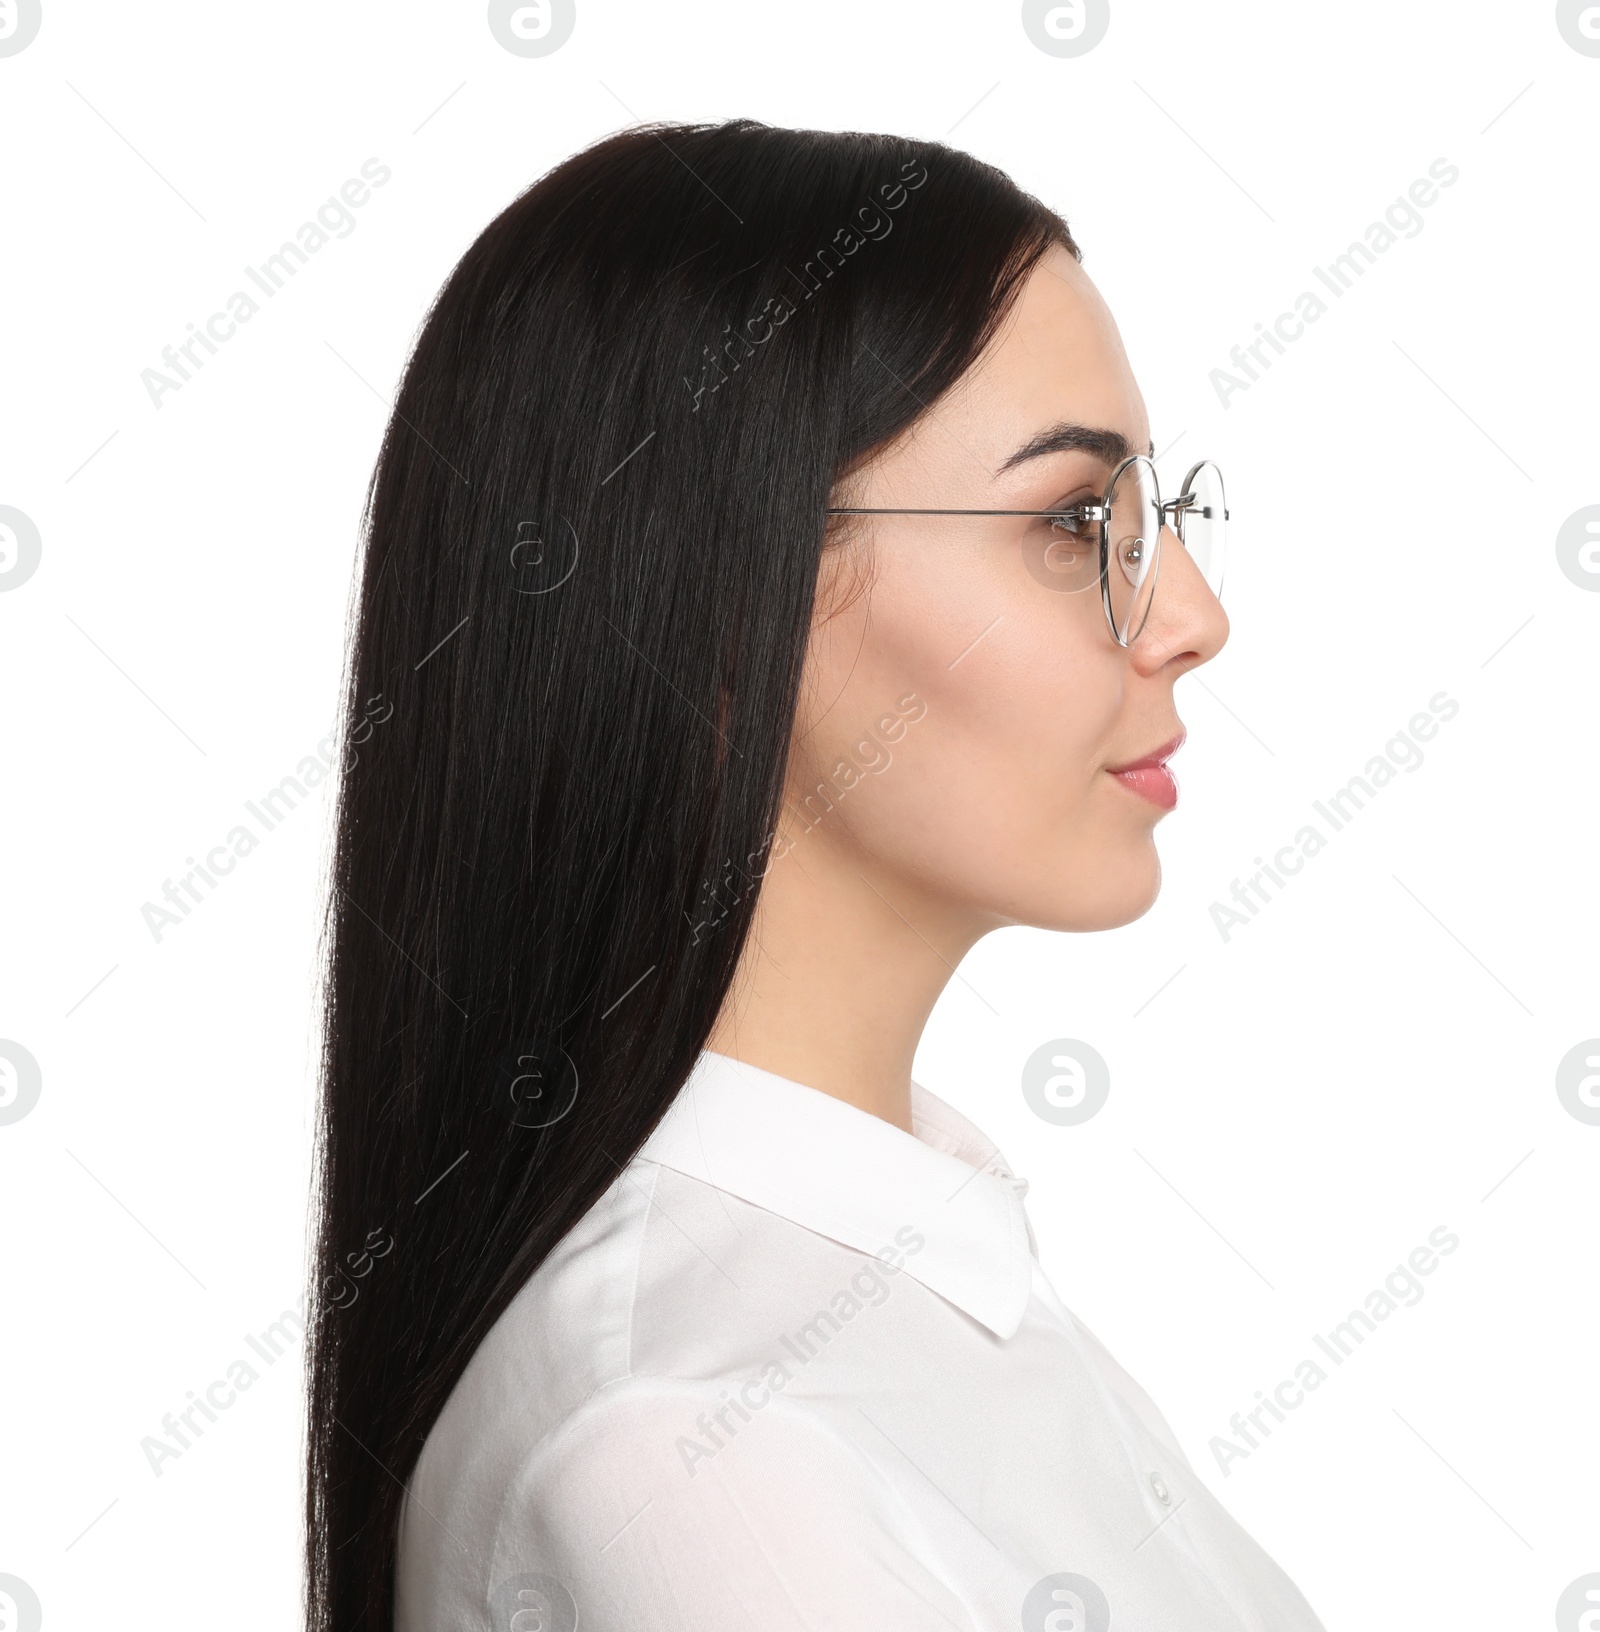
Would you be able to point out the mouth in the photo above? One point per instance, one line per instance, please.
(1150, 777)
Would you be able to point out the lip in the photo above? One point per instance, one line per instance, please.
(1156, 756)
(1149, 777)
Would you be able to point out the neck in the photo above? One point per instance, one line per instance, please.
(841, 970)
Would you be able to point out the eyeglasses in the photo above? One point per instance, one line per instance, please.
(1116, 542)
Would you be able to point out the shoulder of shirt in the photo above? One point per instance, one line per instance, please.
(631, 1500)
(584, 1444)
(627, 1308)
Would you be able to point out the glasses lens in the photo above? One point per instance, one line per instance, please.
(1133, 543)
(1203, 524)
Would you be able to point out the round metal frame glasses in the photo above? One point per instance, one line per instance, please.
(1123, 518)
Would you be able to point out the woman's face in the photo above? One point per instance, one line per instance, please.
(965, 712)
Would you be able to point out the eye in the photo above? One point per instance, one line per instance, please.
(1066, 518)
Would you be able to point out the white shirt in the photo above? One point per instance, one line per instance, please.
(800, 1369)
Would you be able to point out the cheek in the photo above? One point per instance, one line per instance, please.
(1004, 725)
(1006, 757)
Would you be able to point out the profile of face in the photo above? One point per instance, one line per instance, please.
(965, 710)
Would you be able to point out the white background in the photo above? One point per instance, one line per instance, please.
(1368, 1058)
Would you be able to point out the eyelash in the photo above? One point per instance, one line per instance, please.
(1079, 497)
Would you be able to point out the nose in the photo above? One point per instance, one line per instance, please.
(1186, 625)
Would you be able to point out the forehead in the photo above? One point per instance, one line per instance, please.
(1057, 358)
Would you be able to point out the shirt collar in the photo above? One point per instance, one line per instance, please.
(857, 1179)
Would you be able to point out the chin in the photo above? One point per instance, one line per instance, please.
(1118, 895)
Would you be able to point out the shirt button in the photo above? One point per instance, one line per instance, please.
(1159, 1486)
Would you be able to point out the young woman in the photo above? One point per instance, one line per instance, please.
(766, 596)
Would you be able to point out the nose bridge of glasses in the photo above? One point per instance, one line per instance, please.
(1190, 502)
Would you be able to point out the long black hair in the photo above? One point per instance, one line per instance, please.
(592, 544)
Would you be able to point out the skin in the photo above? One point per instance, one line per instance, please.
(986, 800)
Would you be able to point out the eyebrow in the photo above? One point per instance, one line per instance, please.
(1110, 446)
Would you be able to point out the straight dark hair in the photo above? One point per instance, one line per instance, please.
(592, 543)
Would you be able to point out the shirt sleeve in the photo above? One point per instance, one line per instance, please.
(664, 1507)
